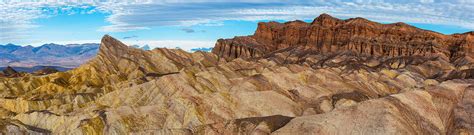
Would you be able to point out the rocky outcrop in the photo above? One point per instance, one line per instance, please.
(9, 71)
(432, 110)
(327, 34)
(243, 47)
(45, 71)
(463, 114)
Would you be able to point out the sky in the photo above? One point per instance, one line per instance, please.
(199, 23)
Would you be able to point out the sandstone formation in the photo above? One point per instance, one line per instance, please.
(277, 85)
(327, 34)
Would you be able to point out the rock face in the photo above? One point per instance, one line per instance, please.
(327, 34)
(124, 90)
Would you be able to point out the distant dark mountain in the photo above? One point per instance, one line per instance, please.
(35, 68)
(67, 56)
(8, 48)
(71, 55)
(202, 49)
(145, 47)
(9, 71)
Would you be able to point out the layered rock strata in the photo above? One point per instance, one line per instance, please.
(327, 34)
(124, 90)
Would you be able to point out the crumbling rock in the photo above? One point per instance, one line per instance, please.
(327, 34)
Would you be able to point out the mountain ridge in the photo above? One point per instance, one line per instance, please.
(68, 56)
(354, 34)
(51, 54)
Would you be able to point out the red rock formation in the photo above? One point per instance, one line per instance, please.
(328, 34)
(245, 47)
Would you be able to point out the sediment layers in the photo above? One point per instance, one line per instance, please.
(327, 34)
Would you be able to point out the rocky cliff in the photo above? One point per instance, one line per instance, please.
(124, 90)
(327, 34)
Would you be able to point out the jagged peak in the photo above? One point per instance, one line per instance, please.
(273, 24)
(469, 33)
(9, 71)
(10, 44)
(108, 38)
(9, 68)
(325, 16)
(295, 21)
(110, 45)
(404, 25)
(270, 23)
(360, 20)
(325, 19)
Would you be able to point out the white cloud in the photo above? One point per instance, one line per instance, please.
(17, 18)
(186, 45)
(141, 16)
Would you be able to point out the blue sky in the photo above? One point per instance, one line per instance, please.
(191, 24)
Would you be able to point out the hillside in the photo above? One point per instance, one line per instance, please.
(284, 79)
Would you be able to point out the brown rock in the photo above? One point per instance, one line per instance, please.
(328, 34)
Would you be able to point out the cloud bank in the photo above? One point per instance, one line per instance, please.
(16, 18)
(186, 45)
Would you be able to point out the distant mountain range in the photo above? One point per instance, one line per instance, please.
(36, 68)
(68, 56)
(60, 56)
(145, 47)
(202, 49)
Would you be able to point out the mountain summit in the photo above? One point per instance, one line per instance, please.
(68, 56)
(9, 71)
